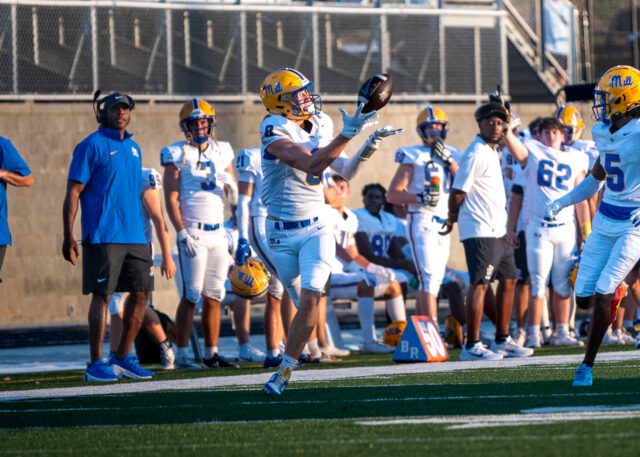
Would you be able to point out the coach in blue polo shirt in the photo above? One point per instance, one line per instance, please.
(104, 177)
(14, 171)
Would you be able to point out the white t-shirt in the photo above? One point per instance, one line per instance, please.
(425, 167)
(483, 212)
(379, 230)
(249, 169)
(550, 174)
(290, 194)
(200, 195)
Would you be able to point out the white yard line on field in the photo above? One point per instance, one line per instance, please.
(307, 376)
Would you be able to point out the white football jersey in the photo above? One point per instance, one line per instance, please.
(290, 194)
(379, 229)
(508, 165)
(425, 167)
(345, 227)
(150, 180)
(249, 169)
(483, 213)
(619, 157)
(589, 148)
(550, 174)
(519, 179)
(200, 195)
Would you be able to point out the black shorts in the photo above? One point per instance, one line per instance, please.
(489, 259)
(521, 260)
(109, 268)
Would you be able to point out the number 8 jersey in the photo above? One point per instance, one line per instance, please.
(425, 167)
(200, 196)
(549, 175)
(288, 193)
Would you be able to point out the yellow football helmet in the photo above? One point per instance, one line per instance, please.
(453, 332)
(250, 280)
(393, 333)
(193, 110)
(617, 92)
(572, 122)
(432, 115)
(288, 93)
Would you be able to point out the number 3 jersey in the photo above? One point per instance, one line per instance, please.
(619, 157)
(288, 193)
(549, 175)
(425, 167)
(200, 195)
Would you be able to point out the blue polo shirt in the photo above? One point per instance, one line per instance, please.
(111, 170)
(9, 160)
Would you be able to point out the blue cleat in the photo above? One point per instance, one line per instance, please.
(273, 362)
(128, 367)
(584, 376)
(278, 382)
(100, 372)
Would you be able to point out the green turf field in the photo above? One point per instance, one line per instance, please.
(506, 410)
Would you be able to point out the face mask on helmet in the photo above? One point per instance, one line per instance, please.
(617, 92)
(303, 102)
(288, 93)
(432, 124)
(192, 112)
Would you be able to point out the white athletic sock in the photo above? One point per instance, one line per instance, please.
(563, 329)
(314, 349)
(534, 330)
(273, 353)
(288, 362)
(367, 319)
(395, 308)
(183, 353)
(210, 351)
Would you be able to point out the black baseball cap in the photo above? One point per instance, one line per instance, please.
(117, 98)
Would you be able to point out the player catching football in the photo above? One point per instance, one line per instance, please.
(297, 146)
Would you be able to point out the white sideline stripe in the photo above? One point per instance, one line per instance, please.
(514, 420)
(308, 376)
(563, 409)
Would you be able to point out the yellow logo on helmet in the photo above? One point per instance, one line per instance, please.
(572, 122)
(250, 280)
(288, 93)
(193, 110)
(432, 115)
(617, 92)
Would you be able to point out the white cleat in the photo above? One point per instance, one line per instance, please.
(251, 354)
(330, 349)
(167, 359)
(565, 340)
(185, 363)
(509, 348)
(533, 341)
(519, 335)
(376, 347)
(479, 352)
(610, 337)
(624, 336)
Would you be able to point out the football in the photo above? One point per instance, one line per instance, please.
(375, 92)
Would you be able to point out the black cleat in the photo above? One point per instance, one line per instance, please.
(217, 361)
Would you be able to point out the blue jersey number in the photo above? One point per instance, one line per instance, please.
(380, 244)
(429, 172)
(209, 182)
(615, 175)
(313, 180)
(546, 175)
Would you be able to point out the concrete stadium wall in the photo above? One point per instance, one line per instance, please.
(40, 288)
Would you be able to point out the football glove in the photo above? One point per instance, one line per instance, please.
(441, 152)
(187, 243)
(381, 272)
(351, 125)
(243, 251)
(552, 210)
(428, 199)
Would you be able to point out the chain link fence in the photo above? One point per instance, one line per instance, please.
(56, 50)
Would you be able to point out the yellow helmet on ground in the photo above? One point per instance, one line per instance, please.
(432, 115)
(617, 92)
(572, 122)
(193, 110)
(283, 91)
(250, 280)
(393, 333)
(453, 332)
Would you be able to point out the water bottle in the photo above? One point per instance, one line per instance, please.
(434, 189)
